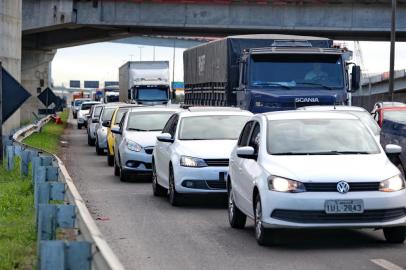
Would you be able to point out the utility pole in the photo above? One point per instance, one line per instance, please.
(1, 113)
(392, 51)
(140, 47)
(153, 54)
(173, 60)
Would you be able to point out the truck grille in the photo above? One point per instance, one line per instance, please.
(300, 216)
(217, 162)
(332, 187)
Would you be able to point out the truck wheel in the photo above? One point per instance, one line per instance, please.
(157, 189)
(395, 235)
(236, 218)
(261, 234)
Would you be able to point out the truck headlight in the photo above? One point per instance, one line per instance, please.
(186, 161)
(133, 146)
(281, 184)
(392, 184)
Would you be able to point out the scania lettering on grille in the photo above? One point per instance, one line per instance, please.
(306, 99)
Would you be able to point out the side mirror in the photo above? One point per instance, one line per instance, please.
(106, 123)
(116, 130)
(95, 120)
(246, 152)
(393, 149)
(355, 78)
(165, 137)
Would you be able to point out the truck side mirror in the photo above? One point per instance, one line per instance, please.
(355, 78)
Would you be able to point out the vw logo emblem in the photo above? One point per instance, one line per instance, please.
(343, 187)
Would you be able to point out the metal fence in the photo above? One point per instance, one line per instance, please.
(368, 102)
(59, 205)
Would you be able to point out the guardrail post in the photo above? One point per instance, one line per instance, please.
(17, 150)
(40, 161)
(50, 191)
(24, 162)
(52, 216)
(61, 255)
(43, 174)
(10, 157)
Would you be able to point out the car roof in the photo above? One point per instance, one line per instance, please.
(155, 109)
(82, 99)
(333, 108)
(201, 111)
(290, 115)
(91, 102)
(394, 108)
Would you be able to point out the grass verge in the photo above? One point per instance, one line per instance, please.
(17, 221)
(48, 138)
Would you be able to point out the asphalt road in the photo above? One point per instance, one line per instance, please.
(148, 233)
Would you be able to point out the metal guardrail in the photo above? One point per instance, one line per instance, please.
(100, 254)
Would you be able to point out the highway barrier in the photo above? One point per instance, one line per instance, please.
(59, 205)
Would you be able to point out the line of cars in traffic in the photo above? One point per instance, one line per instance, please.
(316, 167)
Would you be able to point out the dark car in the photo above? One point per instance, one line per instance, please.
(393, 131)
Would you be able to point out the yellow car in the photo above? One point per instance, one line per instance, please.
(115, 121)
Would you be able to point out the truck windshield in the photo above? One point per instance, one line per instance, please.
(112, 98)
(297, 71)
(319, 137)
(213, 127)
(152, 94)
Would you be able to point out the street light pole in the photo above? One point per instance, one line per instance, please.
(392, 51)
(140, 47)
(173, 60)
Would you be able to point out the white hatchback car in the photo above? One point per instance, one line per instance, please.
(192, 153)
(83, 113)
(303, 169)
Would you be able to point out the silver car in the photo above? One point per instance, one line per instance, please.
(92, 122)
(83, 113)
(76, 105)
(101, 127)
(135, 139)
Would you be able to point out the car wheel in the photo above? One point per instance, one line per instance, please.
(116, 169)
(75, 116)
(261, 234)
(157, 189)
(123, 175)
(173, 196)
(236, 218)
(99, 151)
(79, 126)
(395, 235)
(110, 160)
(90, 141)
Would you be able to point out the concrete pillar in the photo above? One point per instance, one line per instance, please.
(10, 48)
(35, 77)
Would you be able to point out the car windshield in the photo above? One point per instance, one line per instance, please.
(86, 106)
(97, 111)
(148, 121)
(395, 116)
(79, 102)
(119, 115)
(152, 94)
(212, 127)
(367, 119)
(107, 113)
(319, 137)
(302, 71)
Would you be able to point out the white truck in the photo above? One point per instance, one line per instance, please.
(145, 82)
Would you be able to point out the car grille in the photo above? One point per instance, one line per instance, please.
(332, 187)
(300, 216)
(149, 150)
(216, 184)
(217, 162)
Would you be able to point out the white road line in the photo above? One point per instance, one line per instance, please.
(386, 264)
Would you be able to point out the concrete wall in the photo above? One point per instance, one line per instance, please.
(10, 47)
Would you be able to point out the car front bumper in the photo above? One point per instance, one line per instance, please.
(204, 180)
(102, 137)
(306, 210)
(136, 162)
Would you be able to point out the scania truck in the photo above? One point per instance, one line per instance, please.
(263, 73)
(145, 82)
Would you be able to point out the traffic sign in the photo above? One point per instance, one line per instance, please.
(48, 97)
(91, 84)
(74, 84)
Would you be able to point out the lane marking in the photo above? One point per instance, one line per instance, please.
(387, 264)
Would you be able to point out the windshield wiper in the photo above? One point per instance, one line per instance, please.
(316, 84)
(322, 153)
(271, 84)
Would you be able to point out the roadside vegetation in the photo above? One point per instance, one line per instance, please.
(17, 221)
(48, 139)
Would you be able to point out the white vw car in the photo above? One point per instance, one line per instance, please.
(83, 113)
(192, 153)
(303, 169)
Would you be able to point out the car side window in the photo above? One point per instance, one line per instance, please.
(121, 124)
(255, 137)
(173, 126)
(243, 140)
(168, 124)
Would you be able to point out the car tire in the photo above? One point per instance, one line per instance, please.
(75, 116)
(395, 235)
(79, 126)
(262, 235)
(157, 189)
(123, 175)
(173, 196)
(110, 160)
(99, 151)
(236, 218)
(90, 141)
(116, 169)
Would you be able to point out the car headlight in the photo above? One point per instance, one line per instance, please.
(280, 184)
(186, 161)
(133, 146)
(392, 184)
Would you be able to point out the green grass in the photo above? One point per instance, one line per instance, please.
(17, 221)
(48, 138)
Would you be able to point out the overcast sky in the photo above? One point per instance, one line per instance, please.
(100, 61)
